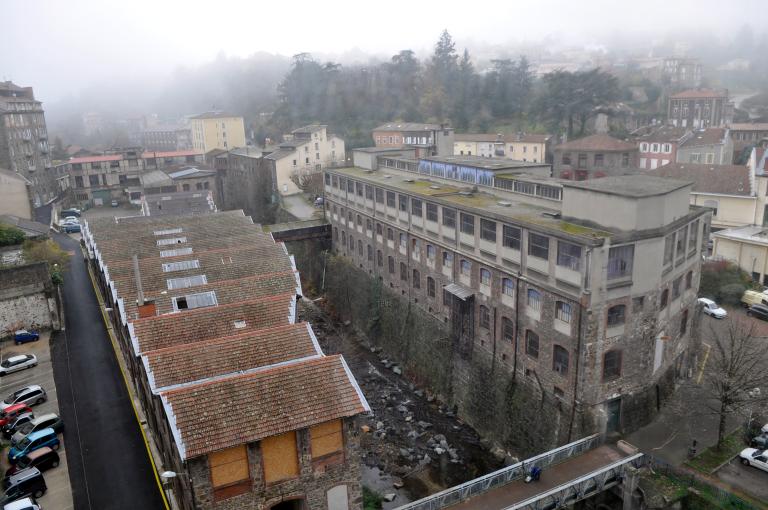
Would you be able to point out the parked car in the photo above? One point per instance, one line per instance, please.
(23, 504)
(44, 421)
(27, 482)
(752, 297)
(16, 363)
(114, 203)
(755, 458)
(10, 428)
(23, 336)
(72, 211)
(71, 219)
(34, 441)
(712, 309)
(43, 459)
(71, 228)
(760, 441)
(10, 413)
(759, 311)
(29, 395)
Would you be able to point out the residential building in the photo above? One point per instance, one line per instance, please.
(204, 310)
(747, 246)
(520, 147)
(426, 139)
(304, 154)
(659, 147)
(581, 291)
(15, 195)
(699, 109)
(746, 135)
(675, 73)
(711, 146)
(594, 156)
(245, 181)
(165, 138)
(97, 180)
(24, 141)
(734, 193)
(217, 130)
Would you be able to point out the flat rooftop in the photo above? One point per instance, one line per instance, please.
(630, 186)
(505, 206)
(750, 234)
(493, 164)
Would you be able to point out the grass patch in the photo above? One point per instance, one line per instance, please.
(709, 459)
(371, 499)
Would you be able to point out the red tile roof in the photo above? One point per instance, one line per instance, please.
(508, 138)
(723, 179)
(232, 354)
(240, 409)
(700, 94)
(597, 143)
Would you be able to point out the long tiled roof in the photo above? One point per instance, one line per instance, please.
(407, 126)
(233, 354)
(721, 179)
(245, 408)
(240, 346)
(487, 137)
(709, 136)
(202, 324)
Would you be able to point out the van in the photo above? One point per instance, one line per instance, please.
(25, 483)
(34, 441)
(43, 459)
(752, 297)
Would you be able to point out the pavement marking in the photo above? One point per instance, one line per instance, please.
(703, 363)
(111, 334)
(667, 441)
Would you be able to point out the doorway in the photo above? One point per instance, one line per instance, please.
(291, 504)
(613, 409)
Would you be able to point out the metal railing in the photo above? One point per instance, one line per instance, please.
(581, 488)
(503, 476)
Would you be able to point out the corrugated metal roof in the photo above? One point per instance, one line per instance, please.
(459, 291)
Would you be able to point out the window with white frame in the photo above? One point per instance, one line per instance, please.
(534, 299)
(508, 286)
(563, 311)
(569, 255)
(485, 277)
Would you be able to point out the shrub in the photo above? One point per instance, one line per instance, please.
(10, 235)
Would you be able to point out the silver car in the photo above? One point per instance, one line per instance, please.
(16, 363)
(30, 395)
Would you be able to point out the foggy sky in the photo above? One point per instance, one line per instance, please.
(61, 47)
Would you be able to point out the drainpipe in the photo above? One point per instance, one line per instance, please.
(576, 371)
(517, 324)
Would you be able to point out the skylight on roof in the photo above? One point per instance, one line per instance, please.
(181, 265)
(185, 282)
(176, 252)
(171, 240)
(192, 301)
(169, 231)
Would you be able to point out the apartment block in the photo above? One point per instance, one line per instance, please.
(520, 147)
(581, 290)
(426, 139)
(24, 141)
(304, 153)
(711, 146)
(659, 147)
(217, 130)
(699, 109)
(204, 309)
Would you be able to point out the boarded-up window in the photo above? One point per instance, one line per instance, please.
(326, 438)
(229, 469)
(280, 457)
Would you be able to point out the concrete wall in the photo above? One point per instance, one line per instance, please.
(732, 211)
(208, 134)
(27, 298)
(14, 196)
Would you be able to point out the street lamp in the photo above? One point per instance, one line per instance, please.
(168, 476)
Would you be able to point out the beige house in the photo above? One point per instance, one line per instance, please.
(520, 147)
(217, 130)
(306, 151)
(737, 194)
(14, 195)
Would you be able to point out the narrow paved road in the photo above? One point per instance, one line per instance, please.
(108, 463)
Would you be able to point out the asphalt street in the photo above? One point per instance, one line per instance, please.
(108, 463)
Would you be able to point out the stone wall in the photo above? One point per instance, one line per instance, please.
(27, 298)
(312, 486)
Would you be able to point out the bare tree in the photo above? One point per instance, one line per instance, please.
(737, 369)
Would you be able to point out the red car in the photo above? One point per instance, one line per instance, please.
(12, 412)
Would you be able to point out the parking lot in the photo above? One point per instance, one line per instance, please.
(745, 478)
(59, 495)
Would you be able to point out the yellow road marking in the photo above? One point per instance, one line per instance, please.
(115, 348)
(703, 363)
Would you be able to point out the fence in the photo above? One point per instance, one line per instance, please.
(503, 476)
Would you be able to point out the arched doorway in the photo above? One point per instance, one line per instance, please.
(291, 504)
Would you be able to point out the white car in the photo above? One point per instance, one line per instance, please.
(755, 458)
(712, 309)
(22, 504)
(16, 363)
(765, 428)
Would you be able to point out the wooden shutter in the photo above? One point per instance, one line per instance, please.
(229, 466)
(326, 438)
(280, 457)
